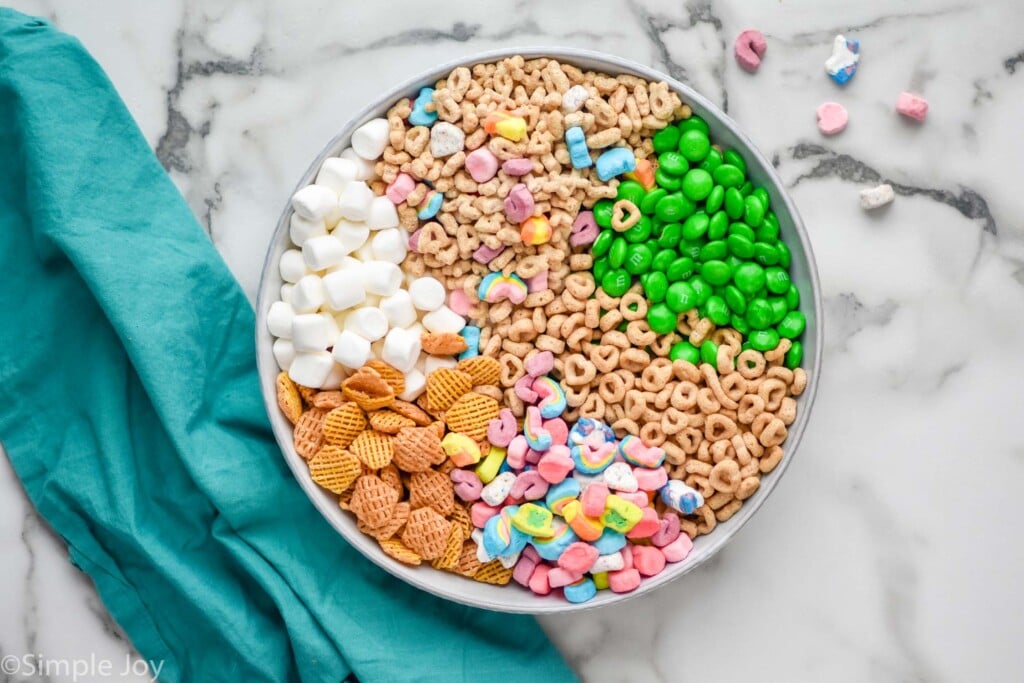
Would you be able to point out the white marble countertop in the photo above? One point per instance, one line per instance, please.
(880, 556)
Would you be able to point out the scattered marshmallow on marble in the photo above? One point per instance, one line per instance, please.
(345, 299)
(877, 197)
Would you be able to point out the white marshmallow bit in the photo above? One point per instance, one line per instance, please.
(427, 293)
(877, 197)
(301, 229)
(382, 278)
(334, 377)
(336, 173)
(343, 289)
(365, 253)
(390, 245)
(399, 309)
(415, 385)
(293, 266)
(315, 202)
(323, 252)
(333, 330)
(382, 214)
(370, 139)
(368, 322)
(351, 350)
(444, 320)
(286, 292)
(367, 170)
(354, 203)
(347, 263)
(311, 332)
(351, 235)
(311, 369)
(608, 563)
(279, 319)
(284, 353)
(308, 294)
(574, 98)
(435, 362)
(401, 349)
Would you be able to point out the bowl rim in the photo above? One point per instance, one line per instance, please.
(266, 365)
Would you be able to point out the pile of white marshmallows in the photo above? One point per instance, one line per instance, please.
(345, 299)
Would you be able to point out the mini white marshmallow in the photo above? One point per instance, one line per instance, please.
(284, 353)
(286, 292)
(399, 309)
(497, 491)
(444, 320)
(383, 278)
(301, 229)
(382, 214)
(351, 235)
(323, 252)
(351, 350)
(367, 169)
(435, 362)
(311, 369)
(415, 385)
(279, 319)
(368, 322)
(308, 294)
(347, 263)
(293, 266)
(365, 252)
(390, 245)
(333, 329)
(401, 349)
(343, 289)
(311, 332)
(354, 203)
(335, 377)
(370, 139)
(336, 173)
(427, 293)
(315, 202)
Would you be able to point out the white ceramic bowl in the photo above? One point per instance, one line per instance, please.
(514, 598)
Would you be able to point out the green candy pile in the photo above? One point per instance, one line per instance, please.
(707, 239)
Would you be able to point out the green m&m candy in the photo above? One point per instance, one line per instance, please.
(656, 286)
(638, 259)
(694, 145)
(616, 282)
(661, 318)
(684, 350)
(680, 297)
(709, 352)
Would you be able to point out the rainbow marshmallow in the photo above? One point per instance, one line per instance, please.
(537, 438)
(552, 403)
(496, 287)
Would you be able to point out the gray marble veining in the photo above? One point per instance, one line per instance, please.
(884, 554)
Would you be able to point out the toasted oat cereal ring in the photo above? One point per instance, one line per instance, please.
(389, 422)
(468, 564)
(412, 411)
(342, 425)
(432, 489)
(401, 552)
(375, 450)
(445, 386)
(426, 532)
(288, 398)
(471, 415)
(450, 558)
(309, 433)
(391, 527)
(417, 448)
(368, 389)
(334, 468)
(493, 573)
(390, 374)
(373, 501)
(483, 369)
(443, 343)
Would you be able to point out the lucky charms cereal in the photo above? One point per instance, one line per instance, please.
(538, 328)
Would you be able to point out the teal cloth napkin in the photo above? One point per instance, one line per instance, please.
(132, 414)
